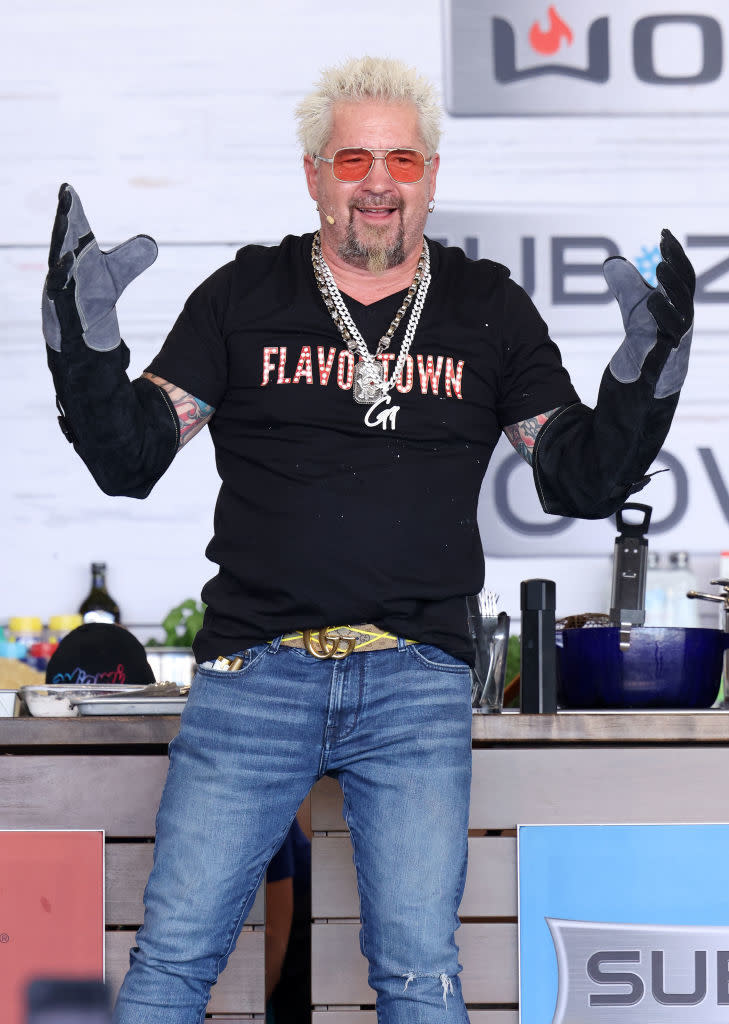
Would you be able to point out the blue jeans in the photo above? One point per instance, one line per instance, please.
(394, 727)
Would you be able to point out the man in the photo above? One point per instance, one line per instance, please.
(355, 382)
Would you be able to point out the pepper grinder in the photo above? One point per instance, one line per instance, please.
(538, 648)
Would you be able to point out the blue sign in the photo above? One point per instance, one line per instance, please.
(622, 924)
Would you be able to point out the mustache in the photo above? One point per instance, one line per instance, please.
(376, 200)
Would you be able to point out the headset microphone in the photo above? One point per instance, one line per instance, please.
(327, 216)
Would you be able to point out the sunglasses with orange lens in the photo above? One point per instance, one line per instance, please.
(405, 166)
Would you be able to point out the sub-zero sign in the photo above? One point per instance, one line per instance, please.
(522, 57)
(614, 973)
(561, 269)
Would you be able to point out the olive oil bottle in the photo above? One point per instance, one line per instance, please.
(99, 605)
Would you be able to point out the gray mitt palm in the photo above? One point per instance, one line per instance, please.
(126, 432)
(587, 462)
(658, 321)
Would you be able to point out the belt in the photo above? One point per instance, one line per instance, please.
(334, 642)
(337, 642)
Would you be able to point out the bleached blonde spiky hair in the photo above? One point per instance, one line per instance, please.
(364, 78)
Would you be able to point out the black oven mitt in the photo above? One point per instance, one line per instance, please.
(127, 432)
(658, 321)
(587, 462)
(84, 283)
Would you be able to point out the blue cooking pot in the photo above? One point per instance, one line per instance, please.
(664, 667)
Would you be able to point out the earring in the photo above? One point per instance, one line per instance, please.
(431, 205)
(316, 207)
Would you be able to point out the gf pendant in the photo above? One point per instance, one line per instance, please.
(368, 388)
(379, 417)
(368, 383)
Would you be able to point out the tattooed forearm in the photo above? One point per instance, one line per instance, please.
(192, 412)
(522, 435)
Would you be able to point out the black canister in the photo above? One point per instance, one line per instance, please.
(538, 650)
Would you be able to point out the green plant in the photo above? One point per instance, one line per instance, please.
(513, 667)
(181, 624)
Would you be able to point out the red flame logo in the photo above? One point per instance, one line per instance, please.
(549, 42)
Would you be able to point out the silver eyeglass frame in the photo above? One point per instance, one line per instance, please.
(385, 153)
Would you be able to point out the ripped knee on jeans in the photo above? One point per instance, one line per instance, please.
(443, 978)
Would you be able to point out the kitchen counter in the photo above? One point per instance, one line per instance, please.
(710, 726)
(572, 767)
(102, 730)
(107, 773)
(632, 766)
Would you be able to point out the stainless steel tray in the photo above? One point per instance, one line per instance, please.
(129, 706)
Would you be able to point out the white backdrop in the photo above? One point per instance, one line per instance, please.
(176, 119)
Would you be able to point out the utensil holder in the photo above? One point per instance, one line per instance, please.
(491, 635)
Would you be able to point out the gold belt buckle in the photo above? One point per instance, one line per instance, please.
(328, 644)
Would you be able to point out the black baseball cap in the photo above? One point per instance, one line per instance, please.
(99, 654)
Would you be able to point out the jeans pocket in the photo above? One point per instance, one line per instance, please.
(250, 658)
(435, 657)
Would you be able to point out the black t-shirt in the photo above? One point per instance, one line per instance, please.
(322, 520)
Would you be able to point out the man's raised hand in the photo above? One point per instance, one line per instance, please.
(658, 321)
(84, 283)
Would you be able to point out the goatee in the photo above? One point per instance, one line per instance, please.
(370, 253)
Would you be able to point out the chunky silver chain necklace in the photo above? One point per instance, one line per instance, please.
(369, 383)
